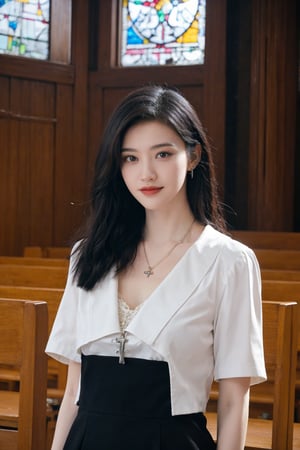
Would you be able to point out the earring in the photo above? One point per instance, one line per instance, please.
(192, 174)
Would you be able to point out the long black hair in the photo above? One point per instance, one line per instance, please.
(116, 222)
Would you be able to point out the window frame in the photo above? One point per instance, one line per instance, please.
(60, 40)
(118, 61)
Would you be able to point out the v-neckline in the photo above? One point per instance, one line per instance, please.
(153, 293)
(177, 288)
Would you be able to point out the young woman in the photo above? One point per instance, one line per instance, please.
(158, 301)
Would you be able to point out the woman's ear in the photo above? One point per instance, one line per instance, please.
(194, 157)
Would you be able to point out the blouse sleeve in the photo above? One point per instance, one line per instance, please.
(238, 339)
(62, 342)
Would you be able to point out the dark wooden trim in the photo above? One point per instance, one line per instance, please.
(133, 76)
(61, 22)
(71, 137)
(272, 116)
(5, 114)
(215, 83)
(16, 66)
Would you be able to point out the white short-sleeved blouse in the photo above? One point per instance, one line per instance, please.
(204, 319)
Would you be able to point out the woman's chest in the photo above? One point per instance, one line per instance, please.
(141, 280)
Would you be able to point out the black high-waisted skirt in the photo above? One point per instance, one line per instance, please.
(127, 407)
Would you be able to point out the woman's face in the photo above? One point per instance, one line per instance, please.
(154, 164)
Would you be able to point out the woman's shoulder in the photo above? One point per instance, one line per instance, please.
(227, 246)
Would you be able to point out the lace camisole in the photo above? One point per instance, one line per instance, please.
(126, 314)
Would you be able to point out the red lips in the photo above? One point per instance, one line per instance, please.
(150, 190)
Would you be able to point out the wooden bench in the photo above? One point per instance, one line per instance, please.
(280, 274)
(277, 290)
(23, 336)
(280, 341)
(34, 276)
(57, 372)
(47, 252)
(28, 261)
(261, 404)
(268, 239)
(278, 259)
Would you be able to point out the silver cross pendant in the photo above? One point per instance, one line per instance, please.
(149, 272)
(121, 341)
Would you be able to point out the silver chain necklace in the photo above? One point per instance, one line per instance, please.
(149, 271)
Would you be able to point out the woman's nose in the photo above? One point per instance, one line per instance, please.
(147, 171)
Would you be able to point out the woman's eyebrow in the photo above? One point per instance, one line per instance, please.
(153, 147)
(163, 144)
(128, 149)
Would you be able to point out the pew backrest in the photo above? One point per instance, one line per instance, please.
(33, 275)
(23, 335)
(280, 346)
(278, 259)
(280, 274)
(52, 297)
(31, 261)
(268, 239)
(47, 252)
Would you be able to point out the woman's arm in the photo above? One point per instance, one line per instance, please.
(233, 405)
(68, 408)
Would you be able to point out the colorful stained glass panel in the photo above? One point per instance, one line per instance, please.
(24, 28)
(160, 32)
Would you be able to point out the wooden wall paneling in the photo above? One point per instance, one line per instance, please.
(65, 175)
(195, 94)
(215, 83)
(272, 115)
(110, 98)
(32, 138)
(41, 168)
(8, 202)
(26, 158)
(32, 100)
(80, 115)
(108, 13)
(257, 119)
(238, 39)
(34, 69)
(43, 138)
(33, 183)
(71, 136)
(95, 127)
(133, 77)
(61, 22)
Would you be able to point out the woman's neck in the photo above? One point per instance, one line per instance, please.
(162, 228)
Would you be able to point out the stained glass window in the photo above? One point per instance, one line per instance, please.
(160, 32)
(24, 28)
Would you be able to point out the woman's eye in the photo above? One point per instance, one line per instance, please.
(163, 155)
(129, 158)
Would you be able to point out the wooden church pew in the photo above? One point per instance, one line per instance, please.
(268, 239)
(280, 342)
(47, 252)
(57, 372)
(280, 274)
(30, 261)
(278, 259)
(33, 275)
(274, 290)
(23, 336)
(277, 290)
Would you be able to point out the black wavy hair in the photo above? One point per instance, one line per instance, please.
(116, 222)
